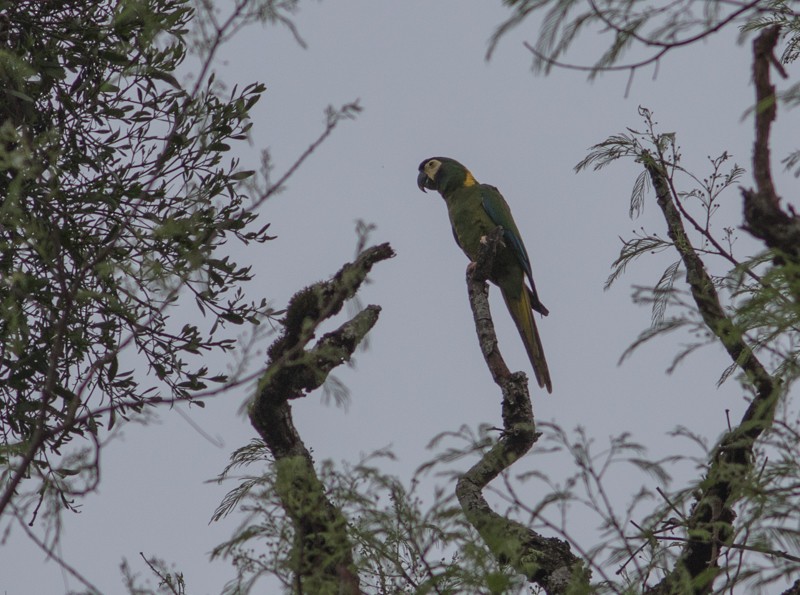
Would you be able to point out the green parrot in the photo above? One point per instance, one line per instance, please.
(475, 210)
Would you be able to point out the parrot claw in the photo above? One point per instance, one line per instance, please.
(485, 240)
(471, 267)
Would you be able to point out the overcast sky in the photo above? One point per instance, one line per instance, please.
(419, 71)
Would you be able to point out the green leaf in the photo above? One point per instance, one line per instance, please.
(242, 175)
(107, 87)
(113, 367)
(232, 317)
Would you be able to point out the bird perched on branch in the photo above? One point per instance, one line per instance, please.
(475, 210)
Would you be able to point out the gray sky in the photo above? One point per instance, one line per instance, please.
(418, 69)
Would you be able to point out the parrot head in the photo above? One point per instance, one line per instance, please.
(441, 173)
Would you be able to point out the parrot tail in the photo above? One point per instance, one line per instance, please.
(520, 309)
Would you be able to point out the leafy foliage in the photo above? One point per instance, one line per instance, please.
(697, 205)
(404, 543)
(117, 201)
(638, 33)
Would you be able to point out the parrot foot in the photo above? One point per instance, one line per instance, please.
(485, 240)
(471, 267)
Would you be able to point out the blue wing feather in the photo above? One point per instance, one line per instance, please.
(499, 212)
(496, 207)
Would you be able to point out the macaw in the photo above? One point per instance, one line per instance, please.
(475, 210)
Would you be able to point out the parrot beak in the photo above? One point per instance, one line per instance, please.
(422, 181)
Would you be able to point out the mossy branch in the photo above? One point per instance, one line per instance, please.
(763, 215)
(710, 525)
(545, 561)
(322, 552)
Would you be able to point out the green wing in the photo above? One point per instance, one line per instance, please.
(497, 208)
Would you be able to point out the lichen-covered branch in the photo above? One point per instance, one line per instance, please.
(322, 553)
(794, 589)
(710, 525)
(546, 561)
(270, 412)
(763, 215)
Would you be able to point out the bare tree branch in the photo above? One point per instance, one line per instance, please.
(323, 552)
(546, 561)
(794, 589)
(710, 524)
(762, 210)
